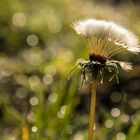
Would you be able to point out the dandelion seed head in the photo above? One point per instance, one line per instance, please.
(105, 39)
(107, 30)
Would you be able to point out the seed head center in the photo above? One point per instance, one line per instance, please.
(97, 57)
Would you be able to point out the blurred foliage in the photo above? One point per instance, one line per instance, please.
(38, 48)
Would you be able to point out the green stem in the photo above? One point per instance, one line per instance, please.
(92, 111)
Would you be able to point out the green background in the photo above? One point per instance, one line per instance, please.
(38, 49)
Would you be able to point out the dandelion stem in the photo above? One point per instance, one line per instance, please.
(92, 110)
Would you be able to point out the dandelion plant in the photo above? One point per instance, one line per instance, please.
(104, 39)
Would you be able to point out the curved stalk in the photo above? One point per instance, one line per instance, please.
(92, 110)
